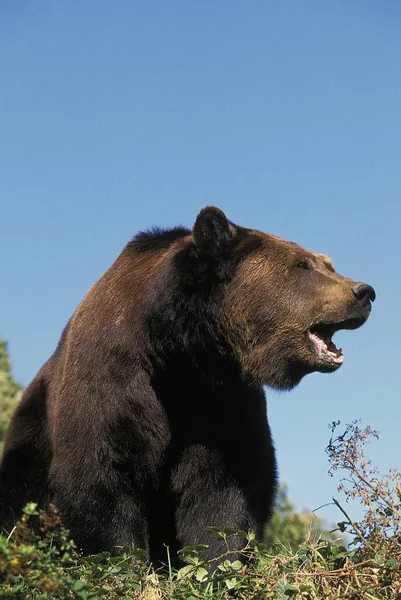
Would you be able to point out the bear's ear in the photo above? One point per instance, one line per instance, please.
(212, 231)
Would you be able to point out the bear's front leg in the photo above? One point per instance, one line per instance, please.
(207, 494)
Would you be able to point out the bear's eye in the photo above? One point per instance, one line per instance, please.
(303, 265)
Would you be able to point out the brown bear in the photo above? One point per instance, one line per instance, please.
(148, 423)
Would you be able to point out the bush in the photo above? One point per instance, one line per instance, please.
(10, 391)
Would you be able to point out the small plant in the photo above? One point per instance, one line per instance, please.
(35, 563)
(377, 536)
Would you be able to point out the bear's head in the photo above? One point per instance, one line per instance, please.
(280, 304)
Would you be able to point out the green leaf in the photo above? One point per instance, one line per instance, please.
(229, 531)
(225, 566)
(78, 585)
(115, 570)
(291, 590)
(200, 547)
(242, 535)
(188, 550)
(392, 563)
(201, 574)
(31, 509)
(280, 588)
(306, 588)
(186, 571)
(231, 583)
(96, 558)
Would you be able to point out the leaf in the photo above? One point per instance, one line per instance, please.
(97, 558)
(98, 592)
(200, 547)
(280, 589)
(201, 574)
(116, 569)
(190, 550)
(185, 571)
(229, 531)
(139, 553)
(291, 590)
(213, 529)
(225, 566)
(306, 588)
(392, 563)
(231, 583)
(30, 509)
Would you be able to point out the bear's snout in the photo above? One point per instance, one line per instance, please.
(364, 293)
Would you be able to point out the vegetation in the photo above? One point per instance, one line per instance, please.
(38, 560)
(289, 528)
(10, 391)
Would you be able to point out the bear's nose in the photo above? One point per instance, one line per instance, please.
(363, 292)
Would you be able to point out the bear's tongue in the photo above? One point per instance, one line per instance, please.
(324, 347)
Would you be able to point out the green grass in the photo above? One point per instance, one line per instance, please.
(47, 566)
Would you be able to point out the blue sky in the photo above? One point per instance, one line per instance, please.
(115, 116)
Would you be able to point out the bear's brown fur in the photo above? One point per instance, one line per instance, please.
(148, 423)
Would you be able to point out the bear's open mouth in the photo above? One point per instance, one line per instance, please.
(320, 336)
